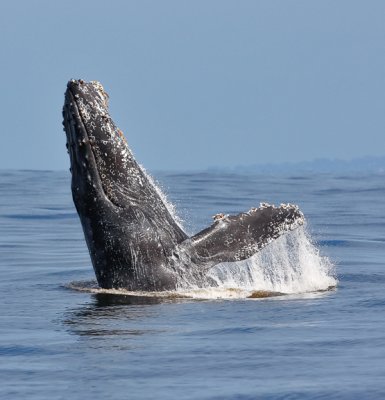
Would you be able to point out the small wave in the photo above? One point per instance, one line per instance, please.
(193, 294)
(41, 216)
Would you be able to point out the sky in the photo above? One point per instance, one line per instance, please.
(200, 83)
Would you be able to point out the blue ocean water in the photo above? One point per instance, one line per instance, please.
(60, 343)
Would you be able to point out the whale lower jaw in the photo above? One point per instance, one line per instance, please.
(133, 240)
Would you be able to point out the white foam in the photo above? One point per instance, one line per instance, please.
(290, 264)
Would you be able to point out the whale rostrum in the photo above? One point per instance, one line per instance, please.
(132, 237)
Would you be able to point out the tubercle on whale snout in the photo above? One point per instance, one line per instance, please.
(133, 238)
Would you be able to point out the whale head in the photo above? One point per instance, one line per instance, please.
(99, 154)
(124, 218)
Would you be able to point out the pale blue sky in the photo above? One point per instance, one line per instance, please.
(195, 83)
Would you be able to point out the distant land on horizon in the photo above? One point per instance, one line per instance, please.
(321, 165)
(368, 164)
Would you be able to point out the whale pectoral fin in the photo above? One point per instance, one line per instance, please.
(238, 237)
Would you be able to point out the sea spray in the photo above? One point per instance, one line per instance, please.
(168, 204)
(290, 264)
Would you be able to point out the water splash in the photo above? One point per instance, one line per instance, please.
(290, 264)
(168, 204)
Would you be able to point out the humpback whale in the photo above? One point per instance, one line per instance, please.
(132, 237)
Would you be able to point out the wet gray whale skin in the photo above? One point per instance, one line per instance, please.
(133, 240)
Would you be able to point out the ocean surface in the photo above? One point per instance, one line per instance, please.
(62, 338)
